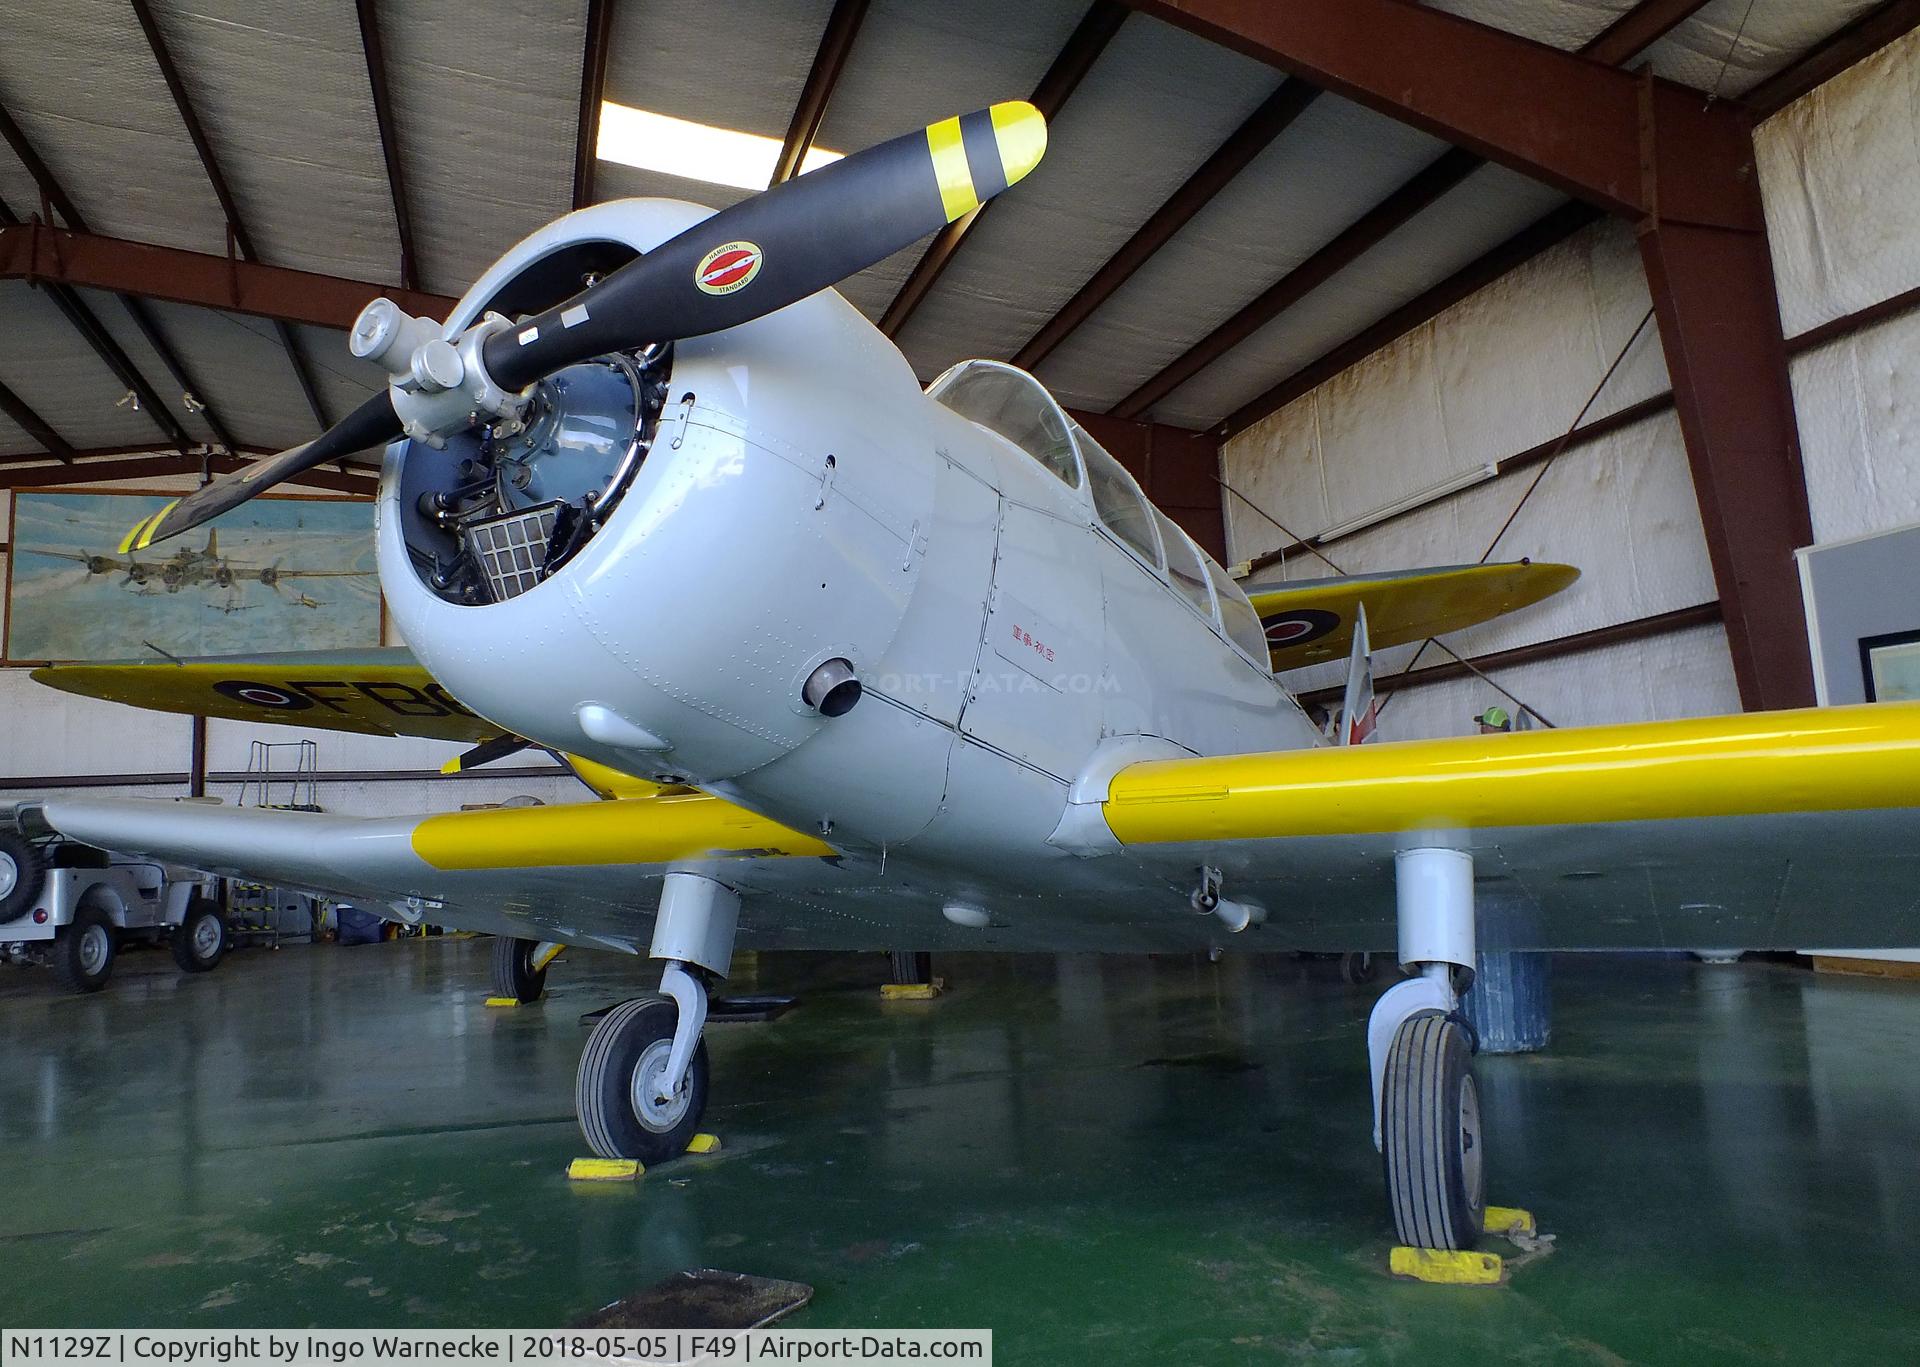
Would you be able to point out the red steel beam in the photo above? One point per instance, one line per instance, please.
(593, 90)
(1719, 316)
(1559, 117)
(829, 60)
(376, 57)
(1076, 59)
(33, 252)
(1640, 28)
(1244, 144)
(1629, 34)
(157, 466)
(1855, 43)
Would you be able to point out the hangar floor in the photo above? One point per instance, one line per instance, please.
(1102, 1159)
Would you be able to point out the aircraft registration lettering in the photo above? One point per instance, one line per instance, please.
(337, 695)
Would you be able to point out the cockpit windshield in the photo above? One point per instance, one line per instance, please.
(1014, 405)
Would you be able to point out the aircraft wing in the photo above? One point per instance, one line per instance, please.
(1311, 620)
(1771, 830)
(579, 873)
(382, 692)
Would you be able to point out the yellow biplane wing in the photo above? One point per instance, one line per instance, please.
(1311, 620)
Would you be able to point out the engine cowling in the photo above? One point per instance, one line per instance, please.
(650, 571)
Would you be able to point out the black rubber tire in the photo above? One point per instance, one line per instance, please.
(25, 872)
(182, 940)
(603, 1089)
(68, 970)
(513, 972)
(911, 967)
(1433, 1146)
(1358, 967)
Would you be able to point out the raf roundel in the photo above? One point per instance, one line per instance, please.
(728, 267)
(263, 695)
(1299, 626)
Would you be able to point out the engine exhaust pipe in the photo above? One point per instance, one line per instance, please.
(832, 689)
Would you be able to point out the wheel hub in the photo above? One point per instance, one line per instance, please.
(206, 937)
(93, 950)
(657, 1112)
(9, 873)
(1471, 1156)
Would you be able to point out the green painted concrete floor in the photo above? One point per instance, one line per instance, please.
(1103, 1160)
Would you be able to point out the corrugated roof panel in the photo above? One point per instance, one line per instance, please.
(1331, 166)
(284, 98)
(238, 361)
(49, 365)
(611, 180)
(81, 81)
(1565, 24)
(113, 316)
(684, 58)
(486, 112)
(14, 440)
(1749, 40)
(665, 59)
(344, 381)
(916, 63)
(1152, 109)
(1484, 210)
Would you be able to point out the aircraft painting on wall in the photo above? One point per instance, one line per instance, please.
(286, 572)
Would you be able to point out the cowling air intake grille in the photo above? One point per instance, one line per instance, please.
(512, 548)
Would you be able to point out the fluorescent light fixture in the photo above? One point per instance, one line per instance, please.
(694, 151)
(1419, 498)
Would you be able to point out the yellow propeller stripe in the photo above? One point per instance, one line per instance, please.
(950, 169)
(1020, 132)
(1817, 760)
(132, 538)
(141, 536)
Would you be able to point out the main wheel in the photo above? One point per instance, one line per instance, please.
(83, 952)
(513, 972)
(1431, 1139)
(616, 1093)
(23, 872)
(200, 940)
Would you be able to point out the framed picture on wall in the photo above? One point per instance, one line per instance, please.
(277, 573)
(1891, 666)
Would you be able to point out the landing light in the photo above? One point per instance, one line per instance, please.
(696, 151)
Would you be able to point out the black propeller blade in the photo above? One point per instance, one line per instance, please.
(744, 262)
(781, 246)
(371, 424)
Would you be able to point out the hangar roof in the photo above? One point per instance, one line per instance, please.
(410, 142)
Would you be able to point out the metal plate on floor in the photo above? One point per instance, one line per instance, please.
(703, 1298)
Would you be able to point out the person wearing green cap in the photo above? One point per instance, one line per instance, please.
(1494, 719)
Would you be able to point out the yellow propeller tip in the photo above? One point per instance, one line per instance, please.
(1021, 132)
(452, 766)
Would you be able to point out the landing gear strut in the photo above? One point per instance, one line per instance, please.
(1426, 1117)
(642, 1086)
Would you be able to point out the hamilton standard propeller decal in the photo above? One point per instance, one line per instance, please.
(728, 267)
